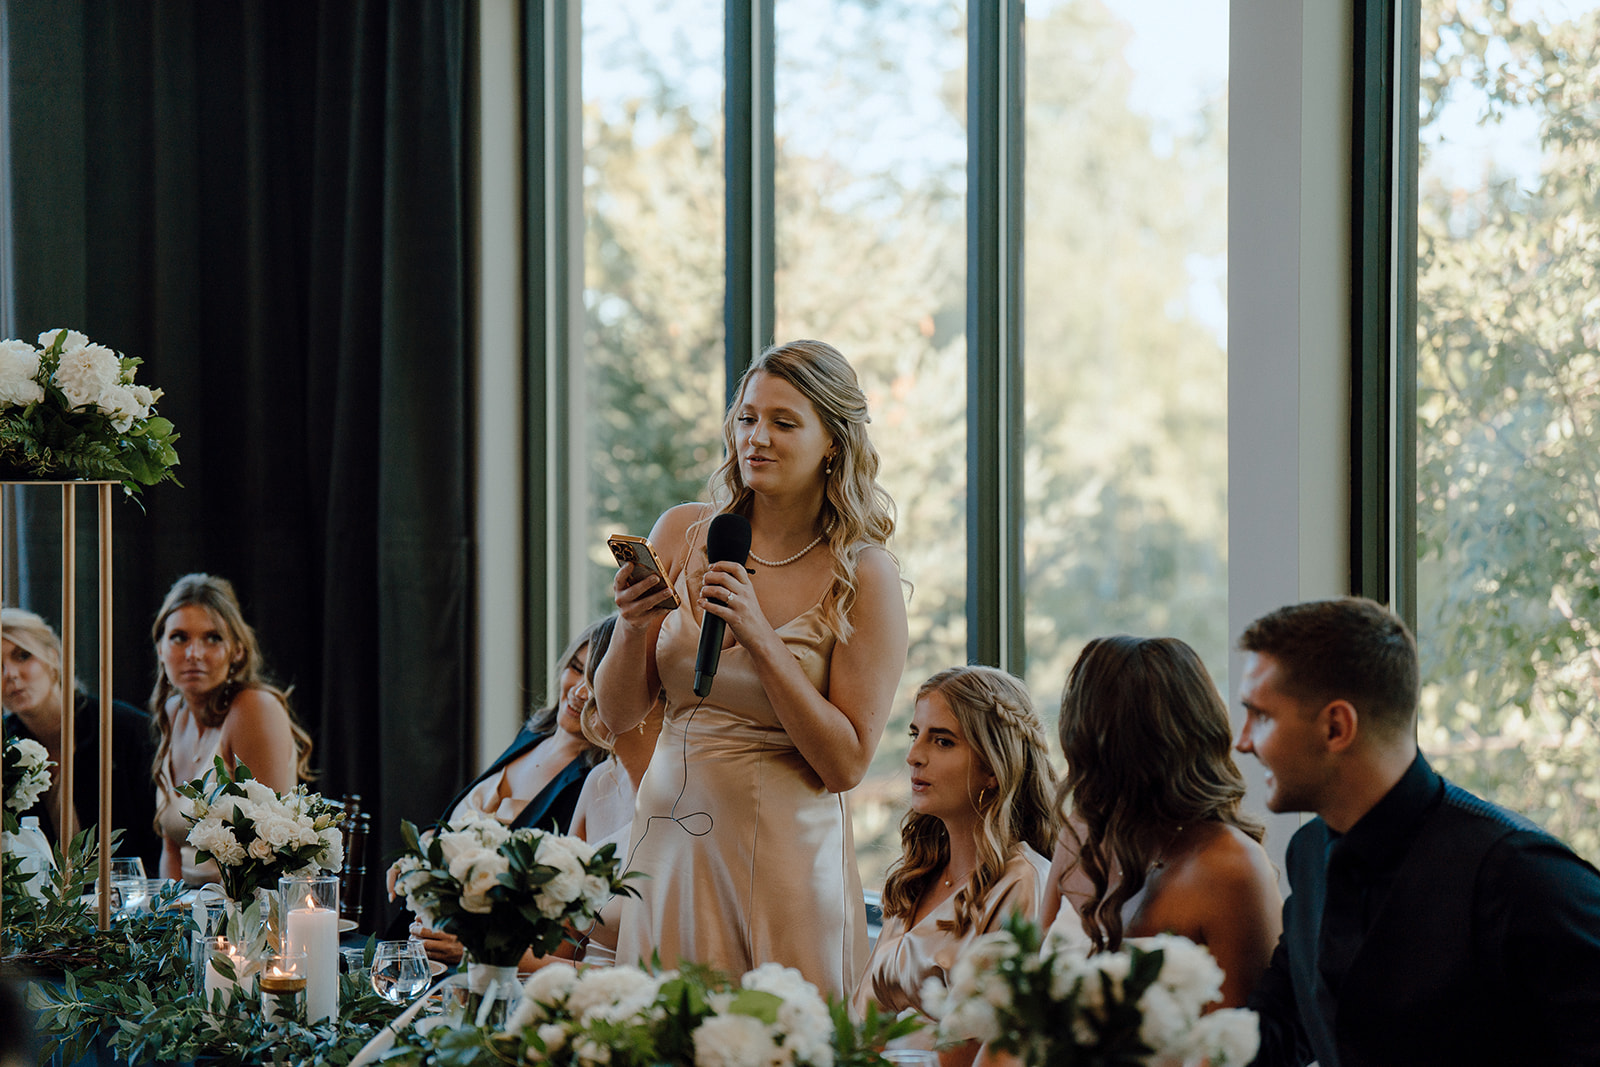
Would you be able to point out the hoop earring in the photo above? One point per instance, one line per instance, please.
(982, 791)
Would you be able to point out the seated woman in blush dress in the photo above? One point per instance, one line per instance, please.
(537, 780)
(973, 843)
(1155, 841)
(211, 700)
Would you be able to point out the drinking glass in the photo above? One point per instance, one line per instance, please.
(399, 970)
(127, 884)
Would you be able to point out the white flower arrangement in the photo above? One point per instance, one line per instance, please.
(69, 408)
(1062, 1007)
(628, 1017)
(26, 769)
(256, 834)
(501, 891)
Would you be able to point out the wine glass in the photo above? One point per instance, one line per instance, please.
(127, 883)
(399, 970)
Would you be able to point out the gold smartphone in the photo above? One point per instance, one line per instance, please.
(626, 548)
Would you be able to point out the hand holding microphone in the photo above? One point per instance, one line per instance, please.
(727, 541)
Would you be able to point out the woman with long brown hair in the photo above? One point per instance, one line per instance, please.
(973, 843)
(212, 699)
(1153, 839)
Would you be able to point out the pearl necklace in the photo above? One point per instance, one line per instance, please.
(815, 541)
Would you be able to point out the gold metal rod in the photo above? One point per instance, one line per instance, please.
(2, 633)
(69, 640)
(105, 704)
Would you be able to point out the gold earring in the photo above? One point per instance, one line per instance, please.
(982, 791)
(827, 472)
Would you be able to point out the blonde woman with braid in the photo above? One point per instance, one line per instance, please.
(973, 843)
(1154, 841)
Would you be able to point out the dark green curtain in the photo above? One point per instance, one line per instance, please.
(265, 201)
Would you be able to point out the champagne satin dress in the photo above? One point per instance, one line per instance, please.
(906, 957)
(750, 860)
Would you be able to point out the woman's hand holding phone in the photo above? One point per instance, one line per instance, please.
(640, 589)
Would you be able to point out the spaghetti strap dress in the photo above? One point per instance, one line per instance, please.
(749, 859)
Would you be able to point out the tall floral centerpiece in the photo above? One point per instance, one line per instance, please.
(1064, 1007)
(501, 892)
(69, 409)
(257, 835)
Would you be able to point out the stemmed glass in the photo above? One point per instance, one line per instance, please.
(127, 883)
(399, 970)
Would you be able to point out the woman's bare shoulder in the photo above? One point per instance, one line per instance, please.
(1227, 862)
(671, 533)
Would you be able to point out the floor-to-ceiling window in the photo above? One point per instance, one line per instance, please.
(1508, 404)
(652, 172)
(871, 256)
(1101, 124)
(1126, 462)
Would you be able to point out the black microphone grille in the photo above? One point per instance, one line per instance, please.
(728, 539)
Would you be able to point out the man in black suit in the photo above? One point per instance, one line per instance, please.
(1424, 925)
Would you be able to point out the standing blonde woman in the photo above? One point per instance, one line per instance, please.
(973, 843)
(30, 653)
(742, 824)
(211, 699)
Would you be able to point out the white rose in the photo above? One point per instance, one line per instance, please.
(553, 1036)
(259, 849)
(85, 373)
(483, 876)
(802, 1017)
(145, 397)
(264, 796)
(19, 362)
(117, 404)
(734, 1041)
(74, 339)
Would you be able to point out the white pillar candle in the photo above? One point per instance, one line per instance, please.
(216, 980)
(315, 931)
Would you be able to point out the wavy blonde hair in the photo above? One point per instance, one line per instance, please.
(1149, 751)
(217, 597)
(856, 510)
(997, 719)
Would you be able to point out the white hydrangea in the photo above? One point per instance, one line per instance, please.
(1187, 970)
(735, 1041)
(19, 362)
(590, 1053)
(85, 373)
(551, 984)
(803, 1018)
(1227, 1038)
(612, 994)
(1164, 1021)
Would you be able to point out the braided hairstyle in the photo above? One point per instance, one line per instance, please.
(1149, 751)
(996, 717)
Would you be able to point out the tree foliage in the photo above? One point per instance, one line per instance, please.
(1508, 394)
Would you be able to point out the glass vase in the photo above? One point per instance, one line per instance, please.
(492, 993)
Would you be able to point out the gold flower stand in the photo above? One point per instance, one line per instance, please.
(69, 605)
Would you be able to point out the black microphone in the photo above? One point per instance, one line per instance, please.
(728, 540)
